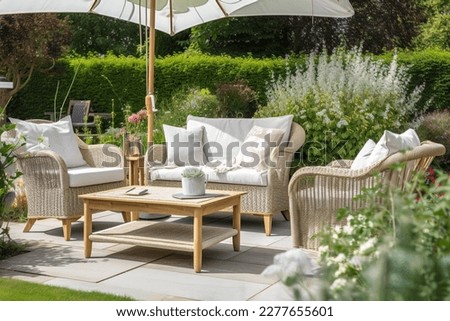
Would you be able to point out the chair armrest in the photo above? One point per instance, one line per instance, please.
(329, 171)
(155, 156)
(102, 155)
(279, 167)
(342, 163)
(43, 169)
(296, 139)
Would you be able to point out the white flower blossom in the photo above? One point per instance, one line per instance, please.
(341, 123)
(338, 284)
(348, 229)
(294, 262)
(340, 258)
(367, 246)
(341, 270)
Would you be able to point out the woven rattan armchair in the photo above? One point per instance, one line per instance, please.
(316, 193)
(46, 181)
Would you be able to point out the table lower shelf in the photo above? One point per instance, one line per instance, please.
(162, 235)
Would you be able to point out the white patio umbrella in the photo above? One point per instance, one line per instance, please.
(173, 16)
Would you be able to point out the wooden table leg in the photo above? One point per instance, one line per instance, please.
(134, 216)
(126, 216)
(141, 180)
(87, 229)
(237, 225)
(198, 223)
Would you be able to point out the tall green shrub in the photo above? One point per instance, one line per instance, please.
(341, 100)
(435, 127)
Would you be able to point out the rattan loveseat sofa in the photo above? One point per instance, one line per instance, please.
(267, 188)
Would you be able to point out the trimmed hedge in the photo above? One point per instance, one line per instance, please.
(122, 79)
(102, 79)
(431, 68)
(98, 79)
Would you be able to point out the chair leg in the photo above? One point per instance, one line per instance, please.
(67, 229)
(67, 226)
(29, 224)
(286, 215)
(268, 224)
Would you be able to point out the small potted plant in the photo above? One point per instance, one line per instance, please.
(193, 181)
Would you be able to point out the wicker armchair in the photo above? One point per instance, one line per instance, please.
(316, 193)
(46, 180)
(262, 201)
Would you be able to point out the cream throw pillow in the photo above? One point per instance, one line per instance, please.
(184, 147)
(57, 137)
(257, 146)
(361, 160)
(389, 144)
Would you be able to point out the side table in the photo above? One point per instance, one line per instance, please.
(136, 177)
(136, 170)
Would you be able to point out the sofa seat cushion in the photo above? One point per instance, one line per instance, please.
(223, 137)
(86, 176)
(240, 176)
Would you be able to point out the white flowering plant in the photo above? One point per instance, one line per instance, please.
(395, 248)
(341, 100)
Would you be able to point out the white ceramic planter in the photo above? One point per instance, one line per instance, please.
(193, 186)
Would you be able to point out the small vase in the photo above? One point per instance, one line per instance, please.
(132, 145)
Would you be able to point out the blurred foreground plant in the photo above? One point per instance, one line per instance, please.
(8, 175)
(396, 248)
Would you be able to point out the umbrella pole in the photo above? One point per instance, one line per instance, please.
(149, 98)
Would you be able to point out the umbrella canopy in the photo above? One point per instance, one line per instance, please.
(173, 16)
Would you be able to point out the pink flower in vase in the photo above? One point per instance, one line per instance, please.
(134, 119)
(142, 114)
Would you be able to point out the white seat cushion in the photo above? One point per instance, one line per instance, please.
(57, 137)
(241, 176)
(86, 176)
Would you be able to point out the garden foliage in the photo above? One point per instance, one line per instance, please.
(8, 175)
(435, 127)
(112, 81)
(194, 101)
(341, 100)
(396, 248)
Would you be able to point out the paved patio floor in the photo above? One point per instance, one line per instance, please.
(153, 274)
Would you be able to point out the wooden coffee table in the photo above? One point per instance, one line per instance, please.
(163, 235)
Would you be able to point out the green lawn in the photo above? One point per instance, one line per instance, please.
(16, 290)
